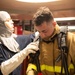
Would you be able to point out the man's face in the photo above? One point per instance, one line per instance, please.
(46, 29)
(9, 24)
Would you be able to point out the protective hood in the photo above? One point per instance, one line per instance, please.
(6, 34)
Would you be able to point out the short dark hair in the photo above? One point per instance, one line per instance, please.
(42, 14)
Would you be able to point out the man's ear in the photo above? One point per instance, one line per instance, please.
(54, 23)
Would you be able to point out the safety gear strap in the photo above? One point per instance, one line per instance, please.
(63, 49)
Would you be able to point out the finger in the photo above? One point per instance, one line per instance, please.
(32, 51)
(34, 44)
(35, 48)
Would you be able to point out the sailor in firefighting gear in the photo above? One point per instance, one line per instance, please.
(48, 30)
(11, 56)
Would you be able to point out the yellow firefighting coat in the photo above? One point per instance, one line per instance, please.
(49, 52)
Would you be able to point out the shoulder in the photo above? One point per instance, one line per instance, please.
(70, 39)
(25, 37)
(24, 40)
(70, 36)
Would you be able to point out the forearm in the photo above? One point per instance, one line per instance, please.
(9, 65)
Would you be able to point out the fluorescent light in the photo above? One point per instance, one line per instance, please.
(70, 28)
(64, 19)
(37, 1)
